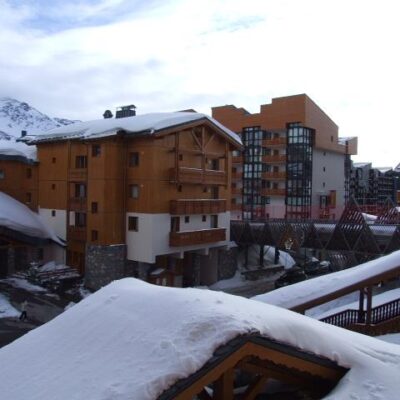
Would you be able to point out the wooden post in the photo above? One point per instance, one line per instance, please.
(360, 318)
(369, 306)
(261, 260)
(223, 387)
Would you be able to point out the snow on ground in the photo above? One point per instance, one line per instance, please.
(302, 292)
(285, 259)
(133, 340)
(22, 283)
(18, 217)
(350, 302)
(6, 309)
(390, 338)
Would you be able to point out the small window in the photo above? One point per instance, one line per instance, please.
(134, 191)
(80, 162)
(29, 173)
(323, 184)
(28, 197)
(94, 207)
(96, 150)
(80, 219)
(53, 160)
(205, 189)
(53, 186)
(204, 218)
(133, 224)
(80, 190)
(133, 159)
(180, 157)
(53, 213)
(324, 169)
(179, 188)
(187, 219)
(95, 235)
(331, 138)
(2, 174)
(214, 221)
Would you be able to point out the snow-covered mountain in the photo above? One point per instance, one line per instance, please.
(16, 116)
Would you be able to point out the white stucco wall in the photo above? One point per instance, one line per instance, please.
(58, 223)
(152, 238)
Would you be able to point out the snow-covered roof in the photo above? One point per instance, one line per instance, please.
(361, 164)
(13, 149)
(343, 140)
(18, 217)
(139, 124)
(133, 340)
(306, 291)
(383, 170)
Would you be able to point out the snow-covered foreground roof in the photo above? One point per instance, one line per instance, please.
(133, 340)
(139, 124)
(18, 217)
(303, 292)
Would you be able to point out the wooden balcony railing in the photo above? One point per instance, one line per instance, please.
(237, 159)
(274, 142)
(236, 191)
(379, 314)
(198, 206)
(275, 159)
(76, 233)
(177, 239)
(237, 176)
(198, 176)
(274, 175)
(77, 204)
(274, 192)
(77, 174)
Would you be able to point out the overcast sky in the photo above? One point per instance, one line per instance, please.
(76, 58)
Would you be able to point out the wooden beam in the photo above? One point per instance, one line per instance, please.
(196, 139)
(209, 140)
(254, 388)
(203, 395)
(223, 387)
(360, 318)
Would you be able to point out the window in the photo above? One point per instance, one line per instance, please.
(2, 174)
(28, 197)
(133, 224)
(53, 213)
(80, 190)
(133, 159)
(134, 191)
(29, 173)
(80, 162)
(175, 224)
(204, 218)
(180, 157)
(324, 169)
(187, 219)
(53, 160)
(214, 221)
(40, 253)
(96, 150)
(323, 184)
(94, 207)
(205, 190)
(214, 163)
(179, 188)
(95, 235)
(80, 219)
(53, 186)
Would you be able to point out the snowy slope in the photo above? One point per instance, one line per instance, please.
(302, 292)
(133, 340)
(16, 116)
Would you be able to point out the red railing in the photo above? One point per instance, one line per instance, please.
(379, 314)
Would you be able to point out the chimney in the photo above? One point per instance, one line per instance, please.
(125, 111)
(107, 114)
(23, 133)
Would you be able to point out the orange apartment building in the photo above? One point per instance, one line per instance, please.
(146, 195)
(294, 165)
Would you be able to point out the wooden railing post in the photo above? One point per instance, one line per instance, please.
(223, 387)
(360, 318)
(369, 305)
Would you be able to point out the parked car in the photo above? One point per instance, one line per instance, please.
(316, 268)
(293, 275)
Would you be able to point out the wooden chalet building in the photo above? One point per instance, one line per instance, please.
(147, 195)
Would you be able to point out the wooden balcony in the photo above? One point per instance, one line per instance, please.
(274, 159)
(77, 204)
(237, 159)
(77, 174)
(274, 142)
(197, 206)
(273, 192)
(177, 239)
(236, 191)
(76, 233)
(274, 175)
(198, 176)
(237, 176)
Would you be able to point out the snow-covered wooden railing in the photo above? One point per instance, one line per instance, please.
(379, 314)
